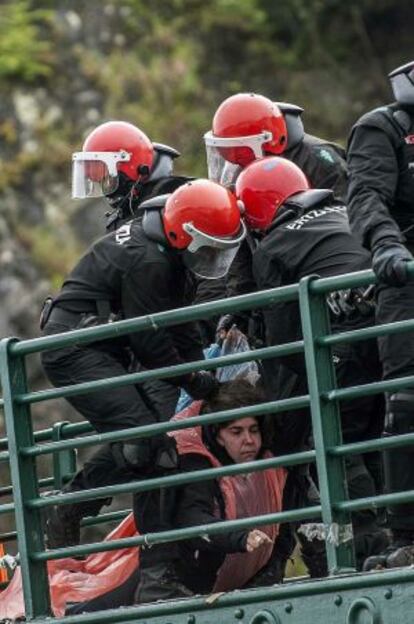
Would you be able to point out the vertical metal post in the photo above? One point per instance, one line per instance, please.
(64, 462)
(326, 423)
(25, 483)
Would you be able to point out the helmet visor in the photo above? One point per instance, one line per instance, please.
(236, 151)
(208, 256)
(95, 174)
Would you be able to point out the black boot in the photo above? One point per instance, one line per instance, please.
(314, 556)
(271, 574)
(369, 542)
(398, 554)
(159, 579)
(62, 522)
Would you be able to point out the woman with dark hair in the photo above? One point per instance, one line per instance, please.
(209, 563)
(229, 560)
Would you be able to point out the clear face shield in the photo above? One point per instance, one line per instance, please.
(210, 257)
(227, 156)
(95, 174)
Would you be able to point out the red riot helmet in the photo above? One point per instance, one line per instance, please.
(203, 219)
(245, 126)
(265, 185)
(113, 149)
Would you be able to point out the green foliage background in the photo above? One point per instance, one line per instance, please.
(165, 65)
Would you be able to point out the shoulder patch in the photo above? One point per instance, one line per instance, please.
(326, 155)
(123, 233)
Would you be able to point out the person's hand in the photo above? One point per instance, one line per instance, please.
(256, 539)
(225, 323)
(201, 385)
(389, 262)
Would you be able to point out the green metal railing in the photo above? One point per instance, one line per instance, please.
(24, 446)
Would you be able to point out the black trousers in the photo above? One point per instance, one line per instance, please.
(106, 409)
(397, 357)
(361, 419)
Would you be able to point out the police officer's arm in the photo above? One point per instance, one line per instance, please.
(373, 171)
(146, 289)
(282, 320)
(239, 279)
(196, 505)
(326, 169)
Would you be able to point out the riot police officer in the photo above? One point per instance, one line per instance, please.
(247, 126)
(381, 212)
(155, 177)
(305, 232)
(139, 269)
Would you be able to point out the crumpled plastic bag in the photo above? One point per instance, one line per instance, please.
(234, 342)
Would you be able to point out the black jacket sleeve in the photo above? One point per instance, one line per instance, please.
(239, 279)
(147, 290)
(373, 170)
(328, 170)
(196, 505)
(282, 320)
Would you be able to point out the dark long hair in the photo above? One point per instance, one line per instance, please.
(231, 395)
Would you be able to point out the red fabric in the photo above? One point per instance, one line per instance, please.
(72, 580)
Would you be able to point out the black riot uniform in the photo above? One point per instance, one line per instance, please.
(161, 180)
(311, 235)
(381, 212)
(123, 275)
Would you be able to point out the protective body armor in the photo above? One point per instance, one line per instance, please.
(398, 124)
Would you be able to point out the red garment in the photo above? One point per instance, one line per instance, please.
(245, 495)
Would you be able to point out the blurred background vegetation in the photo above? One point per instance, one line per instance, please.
(67, 65)
(164, 65)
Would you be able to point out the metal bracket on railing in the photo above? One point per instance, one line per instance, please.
(64, 461)
(333, 533)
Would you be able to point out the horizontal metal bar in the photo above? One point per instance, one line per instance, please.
(160, 373)
(7, 508)
(365, 333)
(4, 456)
(8, 489)
(277, 593)
(163, 537)
(67, 429)
(154, 321)
(90, 521)
(375, 387)
(173, 480)
(340, 282)
(369, 446)
(8, 537)
(348, 280)
(106, 517)
(145, 431)
(396, 498)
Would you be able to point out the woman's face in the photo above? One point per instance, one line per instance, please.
(241, 439)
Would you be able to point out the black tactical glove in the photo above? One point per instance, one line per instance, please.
(201, 385)
(225, 323)
(146, 455)
(389, 262)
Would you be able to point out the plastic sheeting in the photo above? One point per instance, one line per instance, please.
(73, 580)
